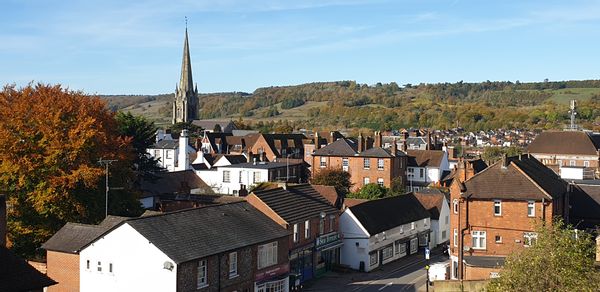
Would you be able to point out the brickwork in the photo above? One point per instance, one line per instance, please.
(64, 269)
(476, 273)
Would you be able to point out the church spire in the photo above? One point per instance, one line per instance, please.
(186, 83)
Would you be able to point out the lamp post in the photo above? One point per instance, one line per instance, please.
(106, 163)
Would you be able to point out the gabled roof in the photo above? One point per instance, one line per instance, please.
(522, 178)
(197, 233)
(284, 141)
(330, 194)
(384, 214)
(432, 203)
(341, 147)
(226, 125)
(165, 144)
(423, 158)
(17, 275)
(565, 142)
(174, 182)
(379, 152)
(296, 203)
(72, 237)
(263, 165)
(218, 139)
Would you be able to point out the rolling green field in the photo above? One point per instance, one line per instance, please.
(563, 96)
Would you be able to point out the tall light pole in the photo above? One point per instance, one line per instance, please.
(106, 163)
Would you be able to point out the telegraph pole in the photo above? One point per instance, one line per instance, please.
(106, 163)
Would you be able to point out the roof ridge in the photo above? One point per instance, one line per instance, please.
(182, 211)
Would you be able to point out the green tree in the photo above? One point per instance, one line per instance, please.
(333, 177)
(193, 130)
(398, 186)
(370, 191)
(561, 259)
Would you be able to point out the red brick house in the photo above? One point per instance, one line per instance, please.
(494, 213)
(364, 163)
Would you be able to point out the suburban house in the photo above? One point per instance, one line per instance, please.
(229, 247)
(273, 147)
(364, 163)
(313, 223)
(494, 212)
(231, 179)
(318, 140)
(16, 274)
(168, 152)
(571, 154)
(435, 202)
(426, 167)
(64, 247)
(463, 169)
(379, 231)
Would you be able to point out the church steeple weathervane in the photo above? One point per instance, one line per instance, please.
(185, 104)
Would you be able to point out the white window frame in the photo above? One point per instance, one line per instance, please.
(345, 163)
(307, 229)
(380, 181)
(572, 163)
(202, 273)
(421, 173)
(323, 161)
(498, 238)
(380, 164)
(586, 164)
(373, 258)
(321, 226)
(87, 265)
(267, 255)
(169, 154)
(99, 267)
(530, 208)
(479, 239)
(366, 181)
(529, 238)
(241, 176)
(559, 163)
(296, 235)
(331, 222)
(226, 176)
(110, 268)
(367, 163)
(498, 203)
(455, 206)
(233, 265)
(412, 225)
(256, 177)
(455, 237)
(387, 252)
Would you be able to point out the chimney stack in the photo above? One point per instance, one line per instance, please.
(428, 140)
(394, 148)
(317, 142)
(404, 146)
(378, 139)
(360, 143)
(504, 161)
(332, 137)
(3, 229)
(183, 158)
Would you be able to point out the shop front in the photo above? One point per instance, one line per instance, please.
(327, 250)
(301, 264)
(273, 279)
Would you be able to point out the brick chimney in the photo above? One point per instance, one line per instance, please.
(378, 138)
(317, 142)
(464, 170)
(360, 143)
(3, 229)
(428, 140)
(394, 147)
(331, 136)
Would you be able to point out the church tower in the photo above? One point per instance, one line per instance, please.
(185, 105)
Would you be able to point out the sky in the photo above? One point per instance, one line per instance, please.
(135, 47)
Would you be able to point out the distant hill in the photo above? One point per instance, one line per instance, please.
(347, 104)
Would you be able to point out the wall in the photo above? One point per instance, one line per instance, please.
(63, 268)
(351, 253)
(137, 264)
(477, 273)
(441, 224)
(567, 172)
(456, 286)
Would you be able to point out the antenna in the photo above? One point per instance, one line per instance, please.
(185, 22)
(573, 112)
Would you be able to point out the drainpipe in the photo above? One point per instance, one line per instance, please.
(462, 231)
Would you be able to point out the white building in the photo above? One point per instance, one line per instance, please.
(167, 151)
(425, 168)
(185, 250)
(379, 231)
(436, 203)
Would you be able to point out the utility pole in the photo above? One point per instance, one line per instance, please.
(106, 163)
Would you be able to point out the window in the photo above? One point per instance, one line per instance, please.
(421, 172)
(497, 208)
(478, 239)
(447, 220)
(202, 280)
(241, 176)
(323, 162)
(232, 264)
(366, 163)
(274, 286)
(387, 252)
(443, 235)
(572, 163)
(321, 226)
(256, 177)
(226, 176)
(425, 221)
(87, 264)
(169, 154)
(380, 163)
(498, 239)
(345, 164)
(157, 153)
(455, 206)
(411, 171)
(531, 208)
(267, 255)
(529, 238)
(331, 222)
(366, 181)
(296, 237)
(412, 225)
(307, 229)
(400, 248)
(373, 258)
(380, 181)
(110, 269)
(494, 275)
(455, 237)
(99, 266)
(586, 163)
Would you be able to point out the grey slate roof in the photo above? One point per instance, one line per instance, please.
(17, 275)
(341, 147)
(265, 165)
(296, 203)
(384, 214)
(165, 144)
(196, 233)
(174, 182)
(72, 237)
(379, 152)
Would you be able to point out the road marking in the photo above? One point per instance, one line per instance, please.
(386, 285)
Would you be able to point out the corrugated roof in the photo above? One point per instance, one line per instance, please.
(196, 233)
(296, 203)
(387, 213)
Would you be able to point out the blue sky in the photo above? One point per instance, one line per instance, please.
(135, 47)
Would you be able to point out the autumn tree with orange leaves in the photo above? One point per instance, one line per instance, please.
(51, 139)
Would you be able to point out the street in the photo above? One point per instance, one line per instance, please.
(406, 274)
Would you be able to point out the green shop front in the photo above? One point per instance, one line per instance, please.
(327, 252)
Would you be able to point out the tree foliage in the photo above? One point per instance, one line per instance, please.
(337, 178)
(493, 154)
(560, 260)
(371, 191)
(50, 141)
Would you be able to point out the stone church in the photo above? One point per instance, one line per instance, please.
(185, 104)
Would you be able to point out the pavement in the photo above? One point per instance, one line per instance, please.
(405, 274)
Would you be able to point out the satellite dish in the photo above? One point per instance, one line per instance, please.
(168, 266)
